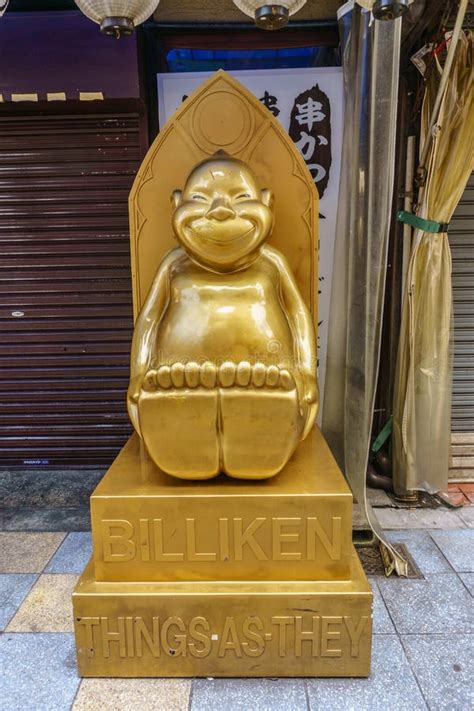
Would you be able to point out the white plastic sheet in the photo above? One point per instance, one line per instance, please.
(371, 69)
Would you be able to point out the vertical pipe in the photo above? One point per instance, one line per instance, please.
(407, 206)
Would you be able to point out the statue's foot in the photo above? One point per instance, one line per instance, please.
(179, 431)
(261, 430)
(199, 420)
(225, 375)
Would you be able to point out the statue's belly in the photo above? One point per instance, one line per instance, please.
(239, 329)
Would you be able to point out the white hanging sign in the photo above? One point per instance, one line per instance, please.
(309, 103)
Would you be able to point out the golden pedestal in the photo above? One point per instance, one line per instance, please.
(223, 578)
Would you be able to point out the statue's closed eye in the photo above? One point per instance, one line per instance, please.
(198, 196)
(243, 196)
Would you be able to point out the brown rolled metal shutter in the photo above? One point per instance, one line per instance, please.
(65, 292)
(461, 239)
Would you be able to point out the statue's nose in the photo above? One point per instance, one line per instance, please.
(219, 210)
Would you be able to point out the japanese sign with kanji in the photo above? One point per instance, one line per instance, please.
(309, 105)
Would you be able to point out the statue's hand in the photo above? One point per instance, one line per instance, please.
(132, 401)
(311, 400)
(311, 392)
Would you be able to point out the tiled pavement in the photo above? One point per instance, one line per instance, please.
(423, 648)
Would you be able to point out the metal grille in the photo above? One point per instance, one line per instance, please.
(65, 292)
(461, 238)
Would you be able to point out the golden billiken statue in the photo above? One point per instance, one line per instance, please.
(223, 364)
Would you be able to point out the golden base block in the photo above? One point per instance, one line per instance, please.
(148, 526)
(189, 629)
(223, 577)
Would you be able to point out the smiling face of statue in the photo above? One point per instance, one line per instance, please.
(222, 218)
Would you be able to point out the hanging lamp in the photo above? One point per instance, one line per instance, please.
(117, 17)
(389, 9)
(270, 16)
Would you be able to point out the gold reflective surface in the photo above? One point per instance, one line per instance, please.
(223, 362)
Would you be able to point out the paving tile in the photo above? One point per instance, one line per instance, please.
(457, 547)
(39, 672)
(378, 497)
(382, 624)
(468, 491)
(469, 495)
(391, 684)
(443, 665)
(466, 514)
(27, 552)
(438, 604)
(13, 589)
(133, 695)
(62, 519)
(48, 488)
(424, 550)
(454, 497)
(468, 580)
(48, 606)
(420, 518)
(245, 694)
(72, 555)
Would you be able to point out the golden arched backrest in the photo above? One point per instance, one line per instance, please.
(222, 114)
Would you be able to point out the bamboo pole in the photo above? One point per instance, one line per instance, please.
(442, 86)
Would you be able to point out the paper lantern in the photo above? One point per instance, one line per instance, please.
(117, 17)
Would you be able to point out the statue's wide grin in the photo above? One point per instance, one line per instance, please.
(221, 234)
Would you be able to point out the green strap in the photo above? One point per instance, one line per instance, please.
(420, 223)
(382, 436)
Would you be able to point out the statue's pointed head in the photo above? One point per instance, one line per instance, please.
(221, 218)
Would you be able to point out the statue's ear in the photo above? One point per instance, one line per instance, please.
(267, 197)
(176, 198)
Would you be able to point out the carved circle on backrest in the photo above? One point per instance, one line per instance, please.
(211, 127)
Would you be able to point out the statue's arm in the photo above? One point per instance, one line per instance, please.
(144, 335)
(305, 337)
